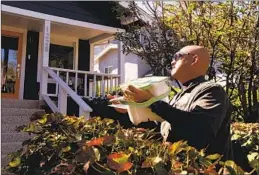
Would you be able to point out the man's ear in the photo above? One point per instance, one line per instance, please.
(195, 59)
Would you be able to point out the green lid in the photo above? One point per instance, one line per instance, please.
(144, 83)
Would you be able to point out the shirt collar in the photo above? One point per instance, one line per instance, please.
(197, 80)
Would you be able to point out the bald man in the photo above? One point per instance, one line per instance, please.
(200, 113)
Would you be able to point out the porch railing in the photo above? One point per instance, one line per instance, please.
(77, 84)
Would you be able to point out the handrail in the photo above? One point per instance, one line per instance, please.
(83, 72)
(52, 106)
(72, 93)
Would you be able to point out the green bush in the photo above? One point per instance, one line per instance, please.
(247, 135)
(71, 145)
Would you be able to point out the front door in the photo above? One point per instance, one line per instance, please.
(11, 53)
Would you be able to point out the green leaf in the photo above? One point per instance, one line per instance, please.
(204, 161)
(97, 154)
(252, 156)
(15, 162)
(66, 149)
(176, 147)
(43, 120)
(233, 168)
(214, 156)
(255, 164)
(235, 137)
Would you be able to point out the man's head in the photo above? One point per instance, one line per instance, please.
(190, 62)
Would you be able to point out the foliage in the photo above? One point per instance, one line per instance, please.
(151, 40)
(229, 29)
(247, 134)
(71, 145)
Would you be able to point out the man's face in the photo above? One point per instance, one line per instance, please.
(181, 63)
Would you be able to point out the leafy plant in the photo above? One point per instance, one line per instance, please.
(71, 145)
(247, 134)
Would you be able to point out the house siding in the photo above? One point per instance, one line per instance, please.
(97, 12)
(109, 59)
(135, 67)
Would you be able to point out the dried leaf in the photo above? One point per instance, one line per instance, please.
(119, 162)
(151, 162)
(95, 142)
(119, 167)
(109, 139)
(211, 170)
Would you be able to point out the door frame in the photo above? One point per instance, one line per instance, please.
(19, 61)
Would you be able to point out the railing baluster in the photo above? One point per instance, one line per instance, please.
(62, 101)
(85, 87)
(111, 84)
(94, 84)
(107, 89)
(67, 77)
(103, 86)
(76, 78)
(56, 94)
(116, 85)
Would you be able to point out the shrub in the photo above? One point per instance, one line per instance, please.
(247, 135)
(71, 145)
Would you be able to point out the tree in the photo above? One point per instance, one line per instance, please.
(228, 29)
(149, 39)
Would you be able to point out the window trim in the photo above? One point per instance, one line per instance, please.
(109, 70)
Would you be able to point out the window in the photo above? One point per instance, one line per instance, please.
(61, 56)
(108, 70)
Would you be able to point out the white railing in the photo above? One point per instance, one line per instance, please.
(77, 84)
(85, 83)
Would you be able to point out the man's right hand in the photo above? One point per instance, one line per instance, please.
(123, 111)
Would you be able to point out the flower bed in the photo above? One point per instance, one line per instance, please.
(71, 145)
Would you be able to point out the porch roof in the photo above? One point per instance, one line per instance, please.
(32, 20)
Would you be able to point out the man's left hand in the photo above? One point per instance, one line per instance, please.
(137, 95)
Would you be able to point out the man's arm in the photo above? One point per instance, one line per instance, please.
(200, 123)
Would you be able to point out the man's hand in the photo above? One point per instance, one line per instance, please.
(123, 111)
(137, 94)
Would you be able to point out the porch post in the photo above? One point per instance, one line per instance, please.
(121, 63)
(45, 56)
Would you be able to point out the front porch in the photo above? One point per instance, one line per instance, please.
(49, 78)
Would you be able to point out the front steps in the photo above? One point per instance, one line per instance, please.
(15, 113)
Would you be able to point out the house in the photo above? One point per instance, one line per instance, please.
(47, 51)
(106, 61)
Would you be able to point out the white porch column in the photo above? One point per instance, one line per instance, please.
(91, 66)
(75, 55)
(45, 56)
(121, 63)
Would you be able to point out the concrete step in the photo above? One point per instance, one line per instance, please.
(7, 148)
(14, 137)
(10, 128)
(15, 119)
(4, 160)
(19, 111)
(15, 103)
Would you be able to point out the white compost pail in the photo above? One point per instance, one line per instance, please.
(140, 112)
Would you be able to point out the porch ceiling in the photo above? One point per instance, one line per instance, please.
(56, 28)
